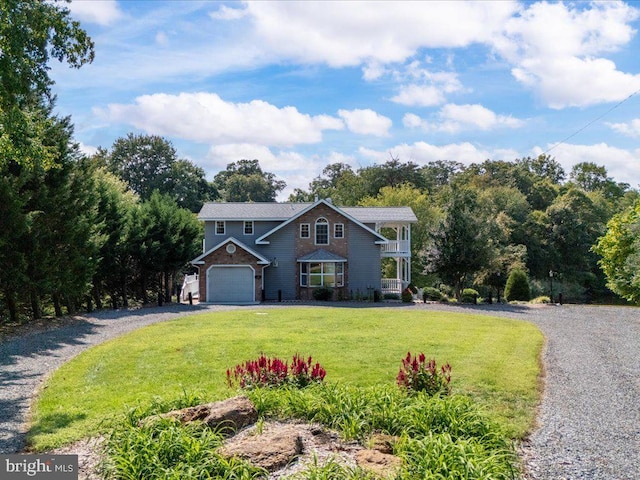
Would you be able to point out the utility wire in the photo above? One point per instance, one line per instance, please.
(591, 122)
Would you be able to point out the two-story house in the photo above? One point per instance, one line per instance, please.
(282, 251)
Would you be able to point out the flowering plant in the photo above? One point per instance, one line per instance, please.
(421, 375)
(273, 372)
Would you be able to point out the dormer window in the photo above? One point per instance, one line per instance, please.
(322, 231)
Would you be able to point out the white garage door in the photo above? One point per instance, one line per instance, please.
(230, 284)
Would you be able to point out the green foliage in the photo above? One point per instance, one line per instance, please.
(469, 295)
(407, 296)
(165, 449)
(274, 372)
(149, 163)
(432, 294)
(418, 374)
(619, 249)
(517, 287)
(440, 437)
(322, 294)
(355, 345)
(462, 245)
(245, 181)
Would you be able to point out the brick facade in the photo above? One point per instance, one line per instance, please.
(220, 256)
(337, 246)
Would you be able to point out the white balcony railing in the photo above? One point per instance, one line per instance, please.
(391, 285)
(397, 246)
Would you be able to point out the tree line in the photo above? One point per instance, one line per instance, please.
(477, 223)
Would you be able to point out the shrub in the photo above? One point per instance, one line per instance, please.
(391, 296)
(469, 295)
(273, 372)
(418, 374)
(431, 294)
(541, 299)
(517, 287)
(322, 294)
(407, 296)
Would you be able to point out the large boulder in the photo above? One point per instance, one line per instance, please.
(271, 449)
(227, 416)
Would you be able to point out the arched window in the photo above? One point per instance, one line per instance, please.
(322, 231)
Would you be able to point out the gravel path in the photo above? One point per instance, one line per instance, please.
(589, 419)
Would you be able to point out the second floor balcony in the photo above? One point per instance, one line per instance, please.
(397, 248)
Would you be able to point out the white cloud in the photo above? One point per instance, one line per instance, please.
(205, 117)
(162, 39)
(557, 50)
(87, 149)
(454, 118)
(630, 129)
(354, 33)
(227, 13)
(422, 153)
(419, 95)
(622, 165)
(102, 12)
(366, 122)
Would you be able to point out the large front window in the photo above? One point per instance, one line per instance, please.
(325, 274)
(322, 231)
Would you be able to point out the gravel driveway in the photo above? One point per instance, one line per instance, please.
(589, 420)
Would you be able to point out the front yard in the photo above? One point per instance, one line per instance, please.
(495, 361)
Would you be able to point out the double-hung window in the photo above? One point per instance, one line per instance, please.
(338, 230)
(220, 227)
(322, 231)
(305, 230)
(321, 274)
(248, 227)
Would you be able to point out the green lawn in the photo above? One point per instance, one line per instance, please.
(495, 360)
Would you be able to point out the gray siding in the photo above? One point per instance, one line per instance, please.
(364, 261)
(283, 277)
(236, 229)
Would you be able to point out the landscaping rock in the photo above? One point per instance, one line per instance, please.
(382, 465)
(271, 449)
(227, 416)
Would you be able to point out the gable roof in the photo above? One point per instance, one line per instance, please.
(284, 211)
(262, 240)
(322, 255)
(261, 260)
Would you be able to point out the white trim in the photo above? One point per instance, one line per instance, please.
(200, 260)
(244, 227)
(262, 240)
(321, 221)
(335, 226)
(224, 227)
(308, 225)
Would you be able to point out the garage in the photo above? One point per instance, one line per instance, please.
(231, 284)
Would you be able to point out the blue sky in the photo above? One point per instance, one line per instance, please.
(298, 85)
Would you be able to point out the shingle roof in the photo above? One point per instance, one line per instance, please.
(381, 214)
(250, 211)
(284, 211)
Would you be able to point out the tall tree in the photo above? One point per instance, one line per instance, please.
(619, 249)
(462, 245)
(245, 181)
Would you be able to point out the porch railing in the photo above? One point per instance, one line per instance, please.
(391, 285)
(397, 246)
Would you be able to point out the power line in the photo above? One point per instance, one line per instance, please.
(591, 122)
